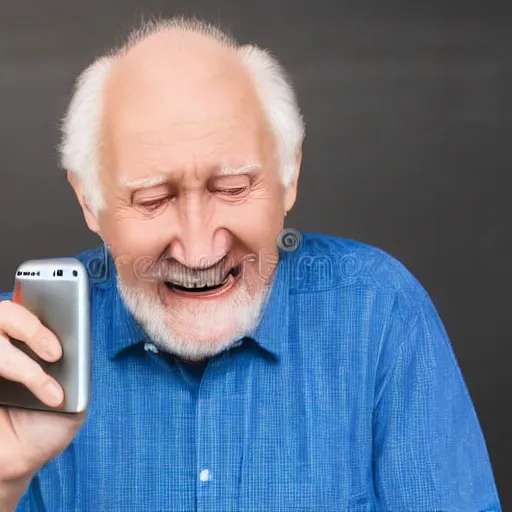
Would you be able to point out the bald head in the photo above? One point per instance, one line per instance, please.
(174, 79)
(176, 44)
(173, 75)
(177, 58)
(179, 100)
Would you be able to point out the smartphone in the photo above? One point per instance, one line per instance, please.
(57, 292)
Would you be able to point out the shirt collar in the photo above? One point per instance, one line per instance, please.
(125, 331)
(272, 327)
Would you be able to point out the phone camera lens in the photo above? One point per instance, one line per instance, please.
(59, 273)
(75, 273)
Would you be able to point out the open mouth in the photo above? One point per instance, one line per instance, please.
(198, 287)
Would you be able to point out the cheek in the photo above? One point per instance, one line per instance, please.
(132, 238)
(256, 223)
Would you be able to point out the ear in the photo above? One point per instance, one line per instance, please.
(291, 192)
(90, 218)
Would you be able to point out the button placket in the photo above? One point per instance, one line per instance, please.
(206, 429)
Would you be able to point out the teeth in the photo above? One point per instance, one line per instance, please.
(199, 278)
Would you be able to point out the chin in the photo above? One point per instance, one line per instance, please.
(195, 325)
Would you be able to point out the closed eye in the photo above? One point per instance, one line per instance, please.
(233, 191)
(153, 205)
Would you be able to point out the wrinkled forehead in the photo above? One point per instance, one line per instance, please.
(181, 115)
(196, 145)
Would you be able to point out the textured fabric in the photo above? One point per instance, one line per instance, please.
(347, 397)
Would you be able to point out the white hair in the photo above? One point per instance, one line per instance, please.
(80, 143)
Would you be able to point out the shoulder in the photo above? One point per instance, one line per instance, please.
(351, 275)
(325, 263)
(370, 290)
(97, 263)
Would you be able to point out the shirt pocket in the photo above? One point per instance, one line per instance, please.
(325, 490)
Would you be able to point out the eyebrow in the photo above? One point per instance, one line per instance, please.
(152, 181)
(227, 170)
(159, 179)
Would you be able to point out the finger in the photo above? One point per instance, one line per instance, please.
(19, 323)
(16, 366)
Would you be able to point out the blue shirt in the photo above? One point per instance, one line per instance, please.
(347, 397)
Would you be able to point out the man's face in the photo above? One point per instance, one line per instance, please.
(195, 203)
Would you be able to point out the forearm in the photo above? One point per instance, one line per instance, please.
(11, 494)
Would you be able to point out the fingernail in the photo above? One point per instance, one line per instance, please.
(54, 392)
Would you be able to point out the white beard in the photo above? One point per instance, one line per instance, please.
(206, 328)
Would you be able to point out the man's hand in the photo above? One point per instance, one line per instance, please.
(29, 439)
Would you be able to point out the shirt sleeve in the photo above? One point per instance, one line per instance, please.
(429, 449)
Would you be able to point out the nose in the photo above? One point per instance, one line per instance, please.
(201, 240)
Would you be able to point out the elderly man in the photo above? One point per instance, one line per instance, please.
(234, 369)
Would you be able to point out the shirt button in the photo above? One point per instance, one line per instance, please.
(149, 347)
(204, 476)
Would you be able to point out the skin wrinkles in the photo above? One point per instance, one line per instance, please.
(161, 178)
(157, 169)
(175, 134)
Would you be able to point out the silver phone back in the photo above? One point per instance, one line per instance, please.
(57, 292)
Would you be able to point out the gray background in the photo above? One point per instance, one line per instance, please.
(407, 106)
